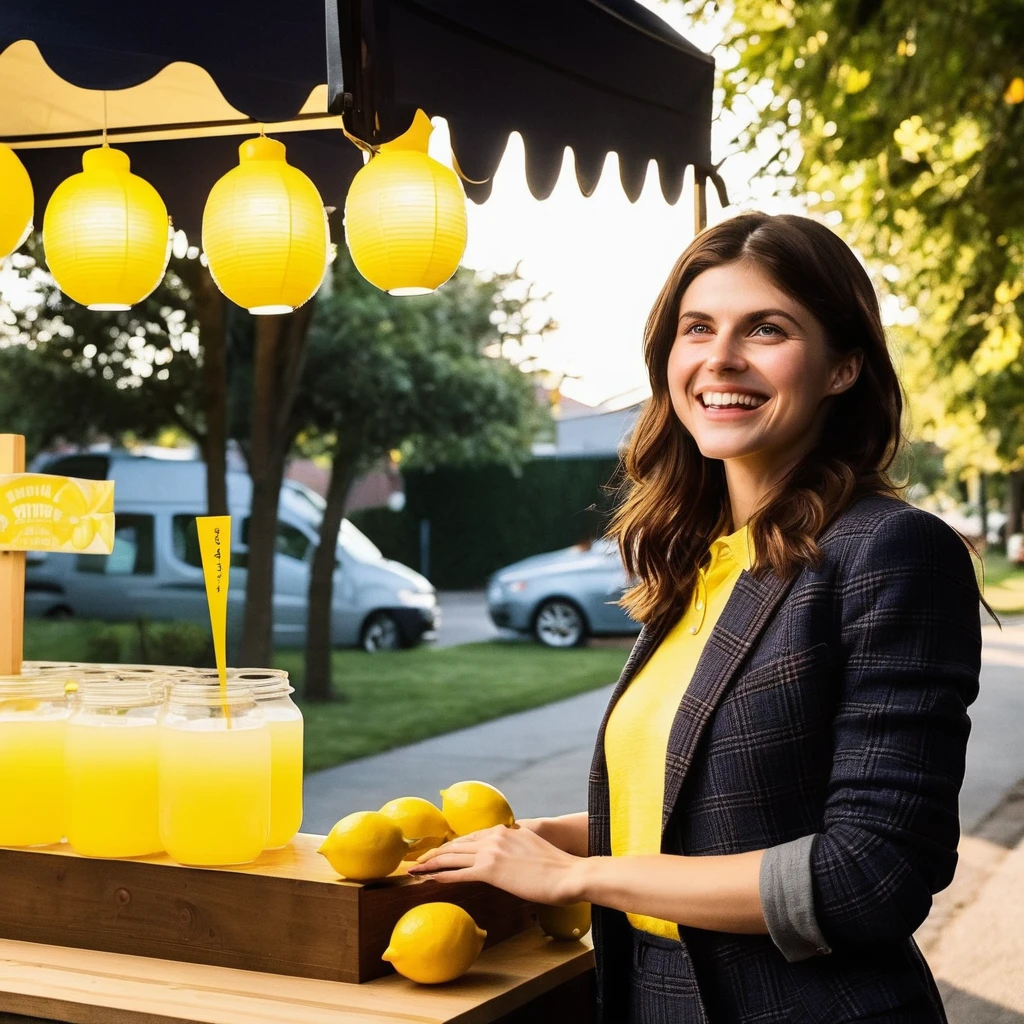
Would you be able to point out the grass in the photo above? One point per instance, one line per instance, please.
(389, 700)
(1004, 584)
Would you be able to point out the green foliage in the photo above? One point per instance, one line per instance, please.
(106, 646)
(482, 518)
(420, 374)
(76, 374)
(900, 123)
(176, 643)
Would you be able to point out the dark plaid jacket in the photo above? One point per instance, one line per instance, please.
(834, 706)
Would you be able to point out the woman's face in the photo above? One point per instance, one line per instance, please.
(749, 368)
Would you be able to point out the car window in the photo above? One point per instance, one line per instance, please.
(289, 541)
(185, 540)
(133, 553)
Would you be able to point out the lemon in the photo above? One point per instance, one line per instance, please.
(364, 845)
(420, 821)
(572, 922)
(470, 806)
(434, 942)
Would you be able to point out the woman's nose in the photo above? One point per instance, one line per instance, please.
(725, 352)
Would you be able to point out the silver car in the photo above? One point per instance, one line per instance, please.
(563, 597)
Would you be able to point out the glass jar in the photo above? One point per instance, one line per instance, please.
(214, 774)
(273, 693)
(33, 724)
(111, 757)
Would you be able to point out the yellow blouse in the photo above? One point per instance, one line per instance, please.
(636, 738)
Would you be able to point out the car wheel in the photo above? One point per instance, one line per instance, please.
(559, 623)
(381, 633)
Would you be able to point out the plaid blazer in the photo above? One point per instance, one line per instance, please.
(833, 706)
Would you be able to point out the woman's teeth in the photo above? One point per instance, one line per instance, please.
(719, 399)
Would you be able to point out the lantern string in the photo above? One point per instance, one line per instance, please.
(105, 117)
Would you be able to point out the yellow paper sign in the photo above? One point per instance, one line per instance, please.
(215, 548)
(56, 513)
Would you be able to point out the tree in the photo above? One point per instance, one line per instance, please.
(424, 375)
(903, 124)
(76, 374)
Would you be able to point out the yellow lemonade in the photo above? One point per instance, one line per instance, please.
(113, 790)
(32, 797)
(286, 779)
(214, 790)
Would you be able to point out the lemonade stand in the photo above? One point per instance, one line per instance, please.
(151, 862)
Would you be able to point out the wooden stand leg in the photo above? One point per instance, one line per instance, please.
(12, 572)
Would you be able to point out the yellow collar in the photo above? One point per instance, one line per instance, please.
(739, 545)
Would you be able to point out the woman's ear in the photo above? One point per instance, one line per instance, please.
(846, 371)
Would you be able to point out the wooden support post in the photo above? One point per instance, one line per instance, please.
(700, 201)
(12, 572)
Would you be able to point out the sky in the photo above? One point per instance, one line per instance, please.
(601, 259)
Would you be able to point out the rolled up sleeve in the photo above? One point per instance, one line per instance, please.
(787, 900)
(910, 634)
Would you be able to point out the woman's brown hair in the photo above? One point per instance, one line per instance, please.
(676, 501)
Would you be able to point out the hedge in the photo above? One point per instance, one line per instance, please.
(483, 518)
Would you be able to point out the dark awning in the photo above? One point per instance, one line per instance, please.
(596, 75)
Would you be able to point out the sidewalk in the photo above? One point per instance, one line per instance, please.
(973, 939)
(540, 759)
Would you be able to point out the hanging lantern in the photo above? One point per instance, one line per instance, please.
(265, 231)
(405, 216)
(16, 204)
(106, 233)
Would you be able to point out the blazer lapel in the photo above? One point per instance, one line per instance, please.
(737, 630)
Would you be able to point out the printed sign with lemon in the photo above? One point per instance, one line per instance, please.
(55, 513)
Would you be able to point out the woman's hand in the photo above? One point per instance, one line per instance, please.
(514, 859)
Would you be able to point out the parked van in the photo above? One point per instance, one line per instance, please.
(155, 571)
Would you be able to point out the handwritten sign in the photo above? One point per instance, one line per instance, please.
(56, 513)
(215, 548)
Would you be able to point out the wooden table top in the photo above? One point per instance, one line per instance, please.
(88, 987)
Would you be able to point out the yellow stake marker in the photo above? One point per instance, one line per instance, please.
(215, 548)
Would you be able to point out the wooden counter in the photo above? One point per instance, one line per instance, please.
(526, 978)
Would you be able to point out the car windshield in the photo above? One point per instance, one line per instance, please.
(357, 544)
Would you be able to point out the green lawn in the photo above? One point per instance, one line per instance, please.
(395, 699)
(1004, 584)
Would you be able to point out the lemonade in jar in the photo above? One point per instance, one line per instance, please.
(214, 766)
(111, 758)
(272, 692)
(33, 724)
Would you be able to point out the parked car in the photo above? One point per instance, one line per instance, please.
(155, 570)
(564, 596)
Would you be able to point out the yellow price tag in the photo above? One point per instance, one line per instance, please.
(56, 513)
(215, 549)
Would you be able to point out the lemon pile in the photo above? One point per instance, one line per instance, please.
(434, 942)
(571, 922)
(368, 845)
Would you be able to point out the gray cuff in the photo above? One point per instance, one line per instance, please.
(787, 899)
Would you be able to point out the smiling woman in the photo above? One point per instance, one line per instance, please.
(774, 789)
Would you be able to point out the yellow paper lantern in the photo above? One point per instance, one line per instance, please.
(405, 216)
(106, 233)
(16, 202)
(265, 231)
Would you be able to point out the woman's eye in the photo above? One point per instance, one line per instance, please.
(697, 329)
(772, 329)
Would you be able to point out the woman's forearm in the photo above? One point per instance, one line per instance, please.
(569, 832)
(718, 893)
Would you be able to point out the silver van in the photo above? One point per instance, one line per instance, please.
(155, 571)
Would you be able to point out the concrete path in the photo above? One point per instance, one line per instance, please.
(540, 760)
